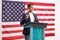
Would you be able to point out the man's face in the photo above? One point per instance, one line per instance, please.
(31, 8)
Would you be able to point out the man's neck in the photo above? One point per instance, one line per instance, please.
(30, 12)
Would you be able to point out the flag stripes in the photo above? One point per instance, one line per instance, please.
(40, 4)
(41, 9)
(45, 13)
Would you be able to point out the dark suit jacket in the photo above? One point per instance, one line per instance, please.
(26, 31)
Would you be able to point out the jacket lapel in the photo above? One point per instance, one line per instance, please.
(29, 16)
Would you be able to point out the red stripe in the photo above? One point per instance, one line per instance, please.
(49, 29)
(49, 34)
(41, 9)
(40, 14)
(51, 24)
(46, 19)
(20, 37)
(5, 26)
(7, 39)
(8, 26)
(13, 31)
(40, 4)
(12, 37)
(14, 25)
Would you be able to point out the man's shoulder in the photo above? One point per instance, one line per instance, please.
(26, 12)
(34, 13)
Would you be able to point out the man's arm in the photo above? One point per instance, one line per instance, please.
(23, 19)
(36, 19)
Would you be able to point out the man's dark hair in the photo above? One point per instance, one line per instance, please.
(29, 5)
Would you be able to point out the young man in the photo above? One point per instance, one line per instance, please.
(26, 19)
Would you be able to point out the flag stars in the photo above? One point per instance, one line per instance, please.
(12, 11)
(12, 7)
(15, 15)
(15, 7)
(7, 19)
(15, 19)
(8, 3)
(7, 7)
(15, 3)
(19, 7)
(3, 15)
(19, 15)
(19, 19)
(11, 19)
(3, 3)
(4, 7)
(19, 3)
(15, 11)
(3, 19)
(7, 15)
(11, 3)
(23, 4)
(23, 12)
(3, 11)
(7, 11)
(11, 15)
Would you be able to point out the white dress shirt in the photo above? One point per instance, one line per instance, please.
(31, 17)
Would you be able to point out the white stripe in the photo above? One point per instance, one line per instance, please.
(46, 21)
(46, 38)
(50, 38)
(21, 28)
(43, 12)
(10, 23)
(45, 17)
(50, 26)
(49, 32)
(44, 7)
(42, 1)
(13, 28)
(12, 34)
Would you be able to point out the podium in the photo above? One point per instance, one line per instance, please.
(37, 30)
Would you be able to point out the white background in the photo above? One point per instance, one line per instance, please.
(57, 17)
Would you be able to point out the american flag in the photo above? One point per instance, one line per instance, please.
(12, 12)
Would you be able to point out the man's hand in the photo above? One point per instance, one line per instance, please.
(26, 16)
